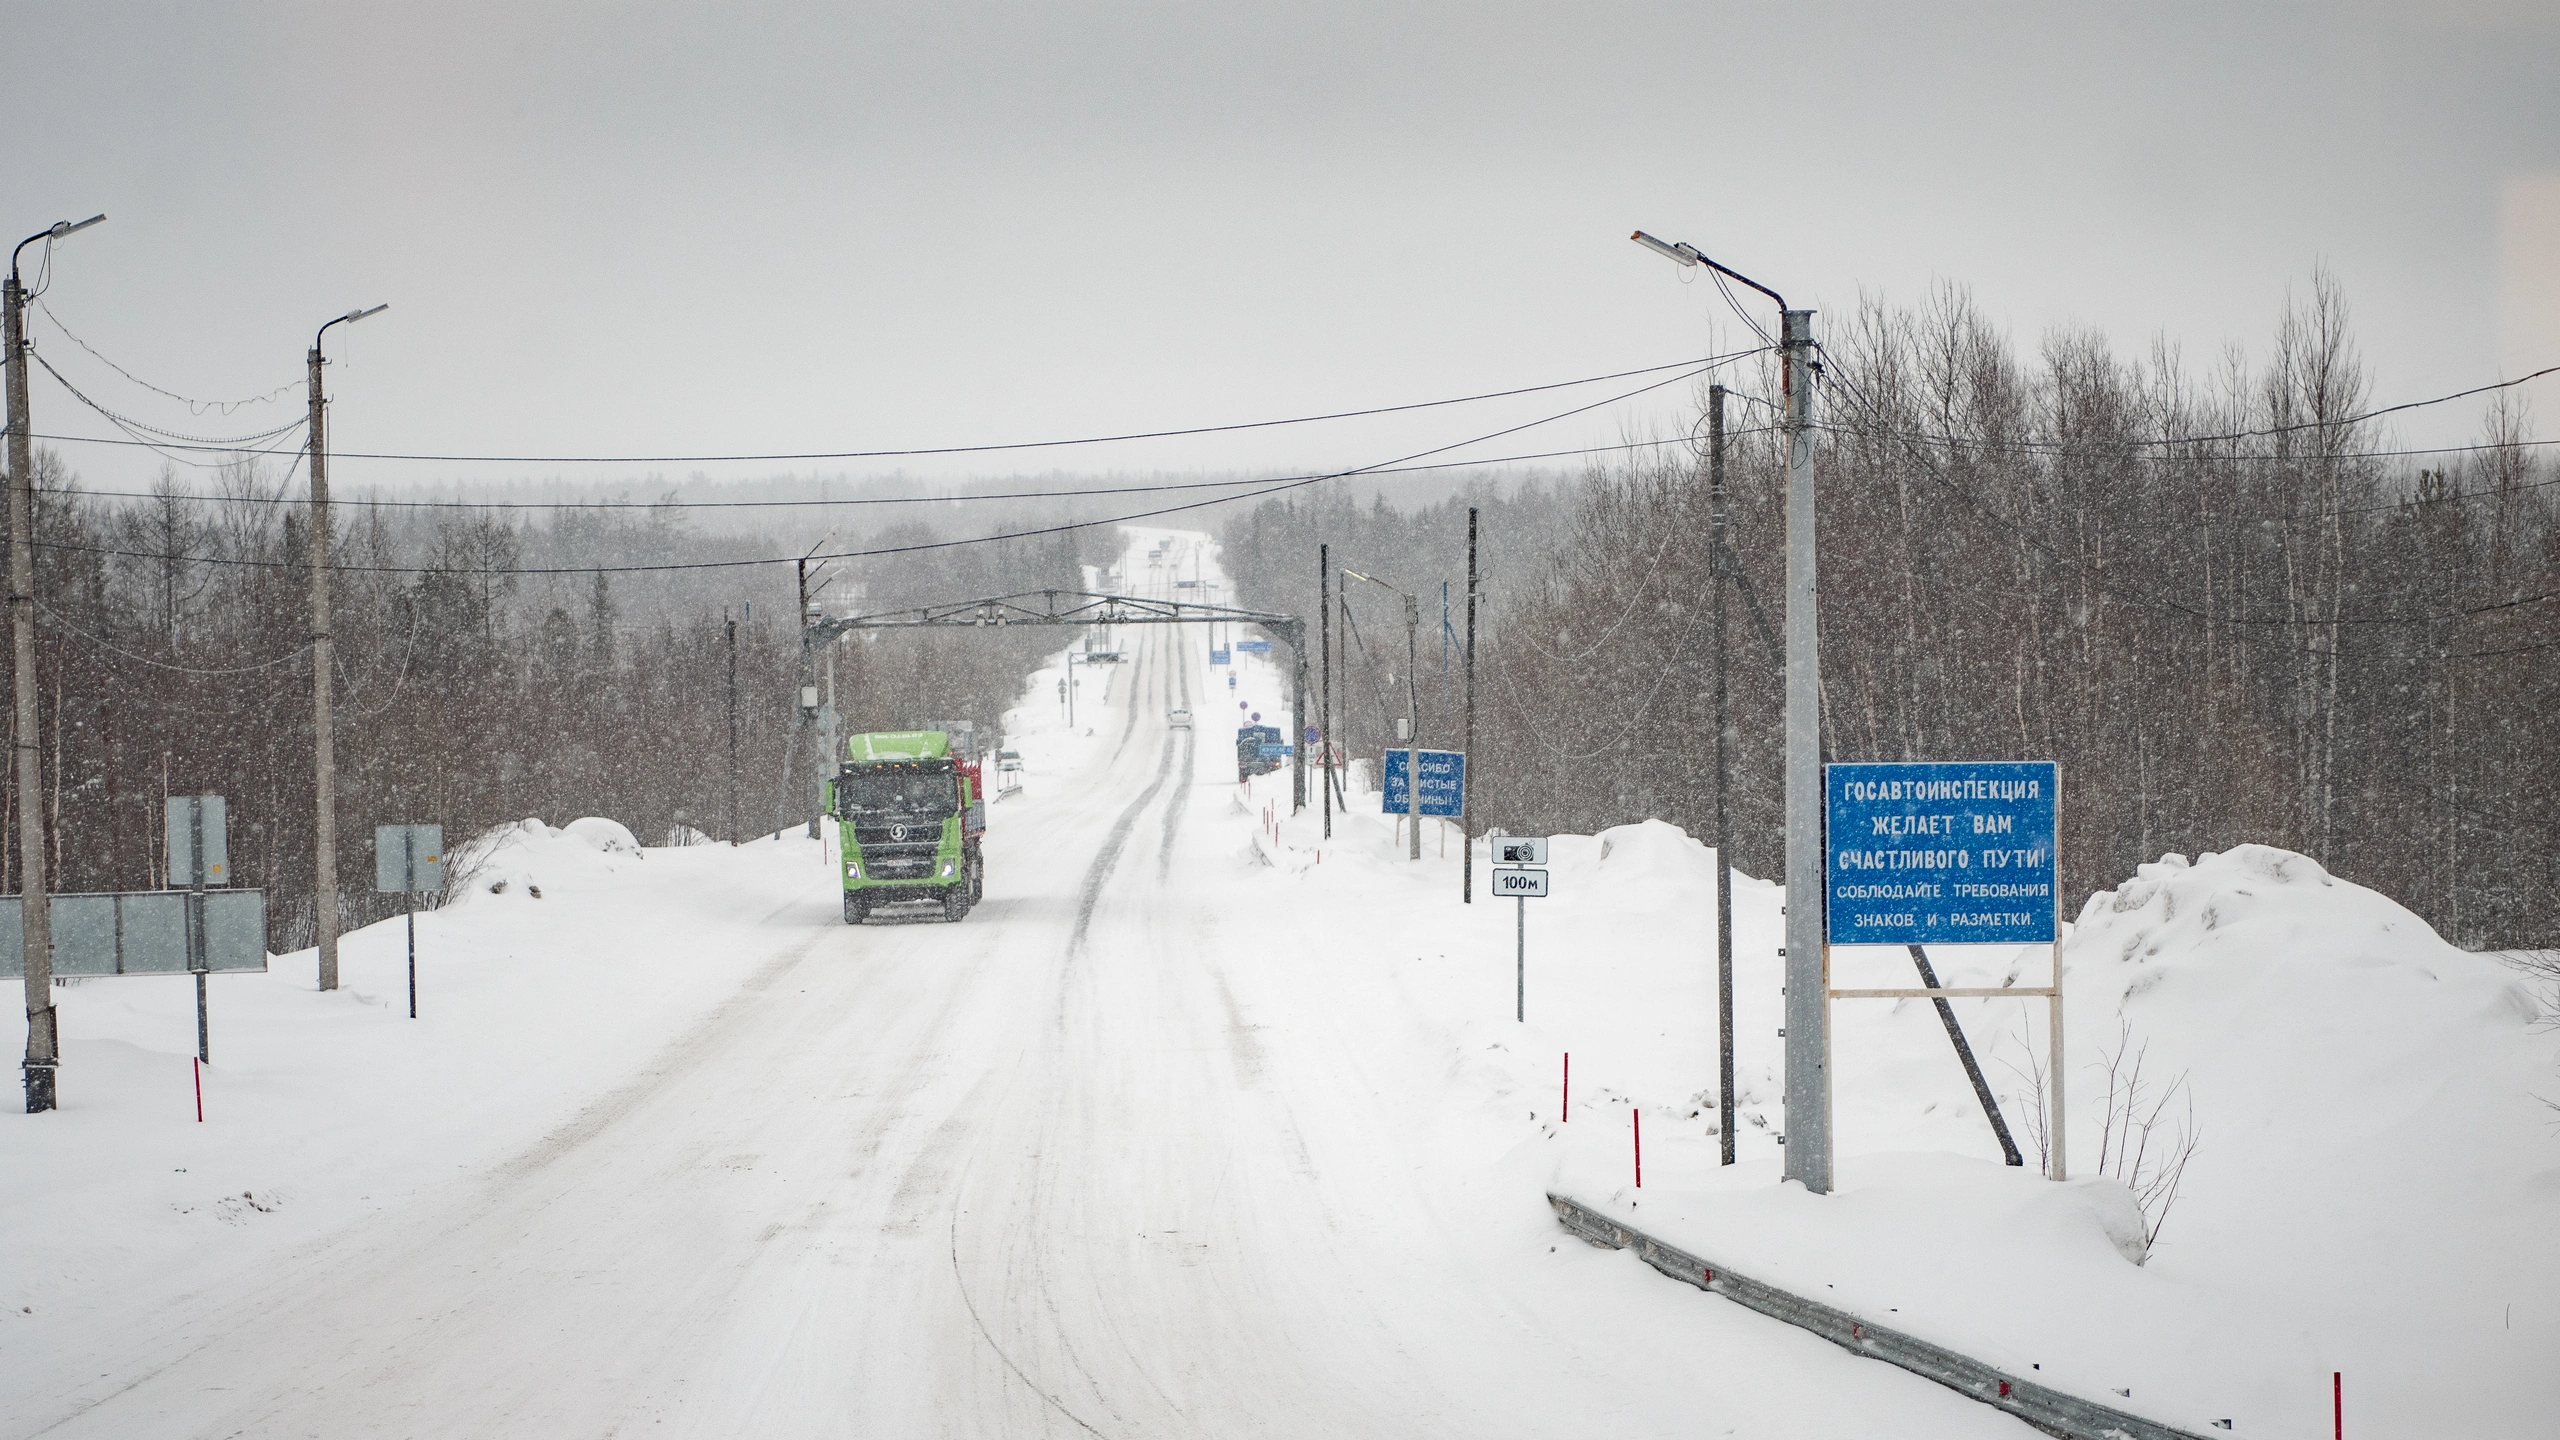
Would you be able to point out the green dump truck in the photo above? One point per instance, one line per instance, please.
(911, 815)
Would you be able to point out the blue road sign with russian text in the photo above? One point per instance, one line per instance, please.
(1444, 783)
(1940, 854)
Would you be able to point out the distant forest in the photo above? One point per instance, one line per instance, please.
(2219, 600)
(2216, 598)
(492, 664)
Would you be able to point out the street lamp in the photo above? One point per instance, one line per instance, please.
(324, 754)
(1808, 1138)
(1688, 254)
(44, 1051)
(1413, 714)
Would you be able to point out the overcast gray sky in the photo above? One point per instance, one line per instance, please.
(676, 229)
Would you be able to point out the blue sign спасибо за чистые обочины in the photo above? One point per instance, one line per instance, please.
(1444, 783)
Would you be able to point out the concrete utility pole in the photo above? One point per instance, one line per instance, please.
(1412, 709)
(1467, 745)
(324, 751)
(1324, 706)
(1808, 968)
(1412, 727)
(1808, 954)
(1716, 510)
(810, 742)
(1297, 641)
(44, 1051)
(732, 628)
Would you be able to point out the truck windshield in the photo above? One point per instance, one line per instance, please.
(929, 796)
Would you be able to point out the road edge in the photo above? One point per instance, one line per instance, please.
(2052, 1411)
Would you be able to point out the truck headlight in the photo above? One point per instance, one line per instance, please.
(946, 867)
(853, 870)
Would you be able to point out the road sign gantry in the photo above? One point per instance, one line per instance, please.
(1084, 608)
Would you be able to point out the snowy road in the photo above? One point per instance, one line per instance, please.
(1098, 1160)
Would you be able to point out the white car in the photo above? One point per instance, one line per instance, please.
(1179, 720)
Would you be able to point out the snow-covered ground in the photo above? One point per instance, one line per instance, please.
(1207, 1125)
(2375, 1189)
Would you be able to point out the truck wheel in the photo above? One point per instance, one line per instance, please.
(857, 907)
(955, 903)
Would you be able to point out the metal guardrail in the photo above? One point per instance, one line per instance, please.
(2051, 1411)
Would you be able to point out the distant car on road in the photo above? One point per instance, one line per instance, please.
(1178, 719)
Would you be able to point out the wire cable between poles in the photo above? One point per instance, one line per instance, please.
(1060, 529)
(1708, 361)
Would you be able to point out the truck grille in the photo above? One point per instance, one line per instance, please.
(927, 833)
(897, 862)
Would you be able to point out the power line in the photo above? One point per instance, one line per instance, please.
(64, 624)
(2266, 432)
(1708, 361)
(2509, 650)
(173, 438)
(194, 407)
(2033, 447)
(1930, 467)
(1275, 488)
(2052, 447)
(1158, 487)
(1735, 302)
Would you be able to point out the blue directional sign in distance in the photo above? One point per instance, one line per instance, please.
(1444, 783)
(1940, 854)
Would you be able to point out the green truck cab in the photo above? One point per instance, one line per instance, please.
(910, 815)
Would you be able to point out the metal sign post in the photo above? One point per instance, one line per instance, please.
(1948, 854)
(195, 937)
(199, 852)
(406, 860)
(1524, 886)
(409, 870)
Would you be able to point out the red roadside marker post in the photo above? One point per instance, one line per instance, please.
(1638, 1113)
(198, 1066)
(1567, 1111)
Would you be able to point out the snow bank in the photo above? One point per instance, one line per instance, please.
(609, 836)
(2375, 1187)
(324, 1110)
(529, 860)
(2374, 1190)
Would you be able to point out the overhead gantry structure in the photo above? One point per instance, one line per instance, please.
(1081, 609)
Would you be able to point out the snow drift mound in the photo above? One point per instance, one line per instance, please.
(1651, 865)
(2315, 1017)
(527, 859)
(2375, 1173)
(609, 836)
(2374, 1190)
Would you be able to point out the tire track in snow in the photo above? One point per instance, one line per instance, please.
(1137, 678)
(688, 1050)
(1174, 812)
(320, 1257)
(1089, 891)
(1096, 876)
(989, 1335)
